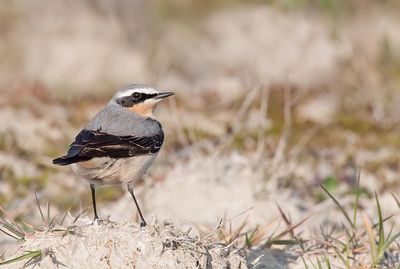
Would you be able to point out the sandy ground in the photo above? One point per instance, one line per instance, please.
(125, 245)
(270, 104)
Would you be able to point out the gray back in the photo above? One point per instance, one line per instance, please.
(116, 120)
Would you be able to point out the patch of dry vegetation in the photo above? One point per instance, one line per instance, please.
(85, 244)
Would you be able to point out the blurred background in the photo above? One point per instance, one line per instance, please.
(273, 99)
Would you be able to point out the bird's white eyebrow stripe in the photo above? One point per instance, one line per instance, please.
(129, 92)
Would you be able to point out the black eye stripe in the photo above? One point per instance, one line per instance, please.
(148, 95)
(135, 98)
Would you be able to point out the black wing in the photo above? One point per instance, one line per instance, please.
(91, 144)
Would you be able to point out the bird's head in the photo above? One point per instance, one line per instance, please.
(141, 99)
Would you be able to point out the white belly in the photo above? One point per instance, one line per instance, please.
(111, 171)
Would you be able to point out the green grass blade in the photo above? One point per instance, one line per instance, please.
(327, 262)
(319, 264)
(11, 234)
(304, 263)
(339, 206)
(381, 232)
(288, 242)
(342, 258)
(384, 247)
(13, 227)
(357, 199)
(11, 231)
(391, 240)
(390, 232)
(29, 255)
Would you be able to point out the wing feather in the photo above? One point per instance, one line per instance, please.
(90, 144)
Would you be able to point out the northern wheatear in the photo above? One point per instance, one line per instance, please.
(120, 143)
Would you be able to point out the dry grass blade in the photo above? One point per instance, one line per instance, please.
(226, 234)
(371, 237)
(40, 209)
(289, 229)
(238, 123)
(64, 216)
(292, 227)
(79, 215)
(32, 227)
(357, 198)
(263, 117)
(48, 220)
(285, 219)
(396, 199)
(211, 232)
(257, 235)
(287, 122)
(233, 234)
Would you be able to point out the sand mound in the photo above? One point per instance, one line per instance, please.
(124, 245)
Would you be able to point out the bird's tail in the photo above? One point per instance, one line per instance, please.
(64, 160)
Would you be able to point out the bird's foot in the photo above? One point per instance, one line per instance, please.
(99, 221)
(143, 223)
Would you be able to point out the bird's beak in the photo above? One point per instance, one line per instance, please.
(163, 95)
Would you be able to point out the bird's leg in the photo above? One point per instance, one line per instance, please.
(142, 222)
(92, 188)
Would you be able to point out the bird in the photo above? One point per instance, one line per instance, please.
(120, 143)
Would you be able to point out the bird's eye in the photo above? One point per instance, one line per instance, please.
(136, 95)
